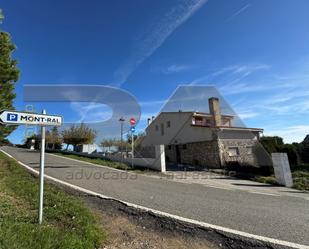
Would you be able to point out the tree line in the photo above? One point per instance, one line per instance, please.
(74, 135)
(9, 75)
(298, 153)
(77, 135)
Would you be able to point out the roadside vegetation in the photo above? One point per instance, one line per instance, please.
(68, 223)
(9, 75)
(298, 154)
(300, 179)
(103, 162)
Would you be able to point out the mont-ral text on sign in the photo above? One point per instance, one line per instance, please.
(13, 117)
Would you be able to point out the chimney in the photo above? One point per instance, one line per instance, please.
(148, 121)
(214, 109)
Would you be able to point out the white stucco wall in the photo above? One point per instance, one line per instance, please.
(180, 131)
(157, 163)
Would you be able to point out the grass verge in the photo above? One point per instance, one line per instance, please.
(68, 223)
(300, 179)
(103, 162)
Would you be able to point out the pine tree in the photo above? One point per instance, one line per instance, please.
(9, 74)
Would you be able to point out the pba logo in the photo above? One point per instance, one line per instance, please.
(12, 117)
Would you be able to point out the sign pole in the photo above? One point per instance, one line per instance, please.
(42, 161)
(132, 138)
(132, 123)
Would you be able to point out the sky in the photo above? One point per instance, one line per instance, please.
(254, 52)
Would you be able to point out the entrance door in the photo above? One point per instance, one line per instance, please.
(178, 157)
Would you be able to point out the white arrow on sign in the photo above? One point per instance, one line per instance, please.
(13, 117)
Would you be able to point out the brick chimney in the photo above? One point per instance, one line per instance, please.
(214, 110)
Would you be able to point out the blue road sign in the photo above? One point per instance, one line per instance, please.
(132, 129)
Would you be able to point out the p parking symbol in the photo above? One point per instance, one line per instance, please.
(12, 117)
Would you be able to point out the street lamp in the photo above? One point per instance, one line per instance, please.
(1, 16)
(121, 120)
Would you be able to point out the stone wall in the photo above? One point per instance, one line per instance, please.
(245, 147)
(204, 154)
(200, 154)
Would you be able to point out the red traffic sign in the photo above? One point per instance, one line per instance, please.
(132, 121)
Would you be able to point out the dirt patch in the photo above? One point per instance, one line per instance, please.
(131, 228)
(122, 233)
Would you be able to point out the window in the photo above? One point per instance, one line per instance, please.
(157, 127)
(169, 147)
(168, 124)
(233, 151)
(184, 146)
(249, 150)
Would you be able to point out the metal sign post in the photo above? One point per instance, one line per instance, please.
(132, 123)
(27, 118)
(132, 143)
(42, 162)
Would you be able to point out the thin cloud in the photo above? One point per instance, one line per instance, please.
(247, 115)
(177, 69)
(242, 69)
(152, 103)
(91, 112)
(230, 74)
(161, 31)
(241, 10)
(291, 134)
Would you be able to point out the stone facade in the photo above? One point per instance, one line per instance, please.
(212, 154)
(200, 154)
(245, 151)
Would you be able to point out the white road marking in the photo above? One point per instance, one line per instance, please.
(263, 193)
(176, 217)
(218, 187)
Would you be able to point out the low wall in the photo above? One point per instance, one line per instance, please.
(157, 163)
(92, 155)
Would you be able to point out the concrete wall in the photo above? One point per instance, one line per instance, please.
(86, 148)
(156, 163)
(145, 151)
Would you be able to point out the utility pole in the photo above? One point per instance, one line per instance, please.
(1, 16)
(132, 138)
(121, 120)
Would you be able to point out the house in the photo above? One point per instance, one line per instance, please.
(206, 140)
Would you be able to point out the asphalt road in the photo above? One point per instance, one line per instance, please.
(280, 217)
